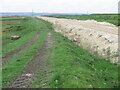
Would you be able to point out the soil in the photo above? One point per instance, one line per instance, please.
(23, 47)
(36, 64)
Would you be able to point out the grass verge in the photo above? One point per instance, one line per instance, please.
(111, 18)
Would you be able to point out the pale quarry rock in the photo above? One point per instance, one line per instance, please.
(15, 37)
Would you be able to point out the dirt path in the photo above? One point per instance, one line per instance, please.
(36, 64)
(24, 46)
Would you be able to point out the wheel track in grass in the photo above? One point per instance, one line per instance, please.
(24, 46)
(36, 64)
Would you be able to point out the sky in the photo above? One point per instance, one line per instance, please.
(60, 6)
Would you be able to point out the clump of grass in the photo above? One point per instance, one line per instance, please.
(108, 51)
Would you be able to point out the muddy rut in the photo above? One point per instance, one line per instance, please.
(36, 64)
(24, 46)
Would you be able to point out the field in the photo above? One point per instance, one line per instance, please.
(43, 58)
(111, 18)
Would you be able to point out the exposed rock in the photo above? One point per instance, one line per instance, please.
(15, 37)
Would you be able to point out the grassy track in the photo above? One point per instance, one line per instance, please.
(74, 67)
(111, 18)
(18, 62)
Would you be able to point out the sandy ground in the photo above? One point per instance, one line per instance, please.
(98, 37)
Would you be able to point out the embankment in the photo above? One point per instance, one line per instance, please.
(99, 37)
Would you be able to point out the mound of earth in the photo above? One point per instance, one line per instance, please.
(99, 37)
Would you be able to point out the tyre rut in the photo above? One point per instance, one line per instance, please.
(24, 46)
(36, 64)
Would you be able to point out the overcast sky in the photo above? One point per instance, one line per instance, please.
(60, 6)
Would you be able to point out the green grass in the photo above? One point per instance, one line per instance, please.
(111, 18)
(19, 61)
(74, 67)
(12, 18)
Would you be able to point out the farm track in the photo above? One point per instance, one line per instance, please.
(24, 46)
(36, 64)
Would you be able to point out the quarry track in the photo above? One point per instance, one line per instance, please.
(97, 37)
(24, 46)
(36, 64)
